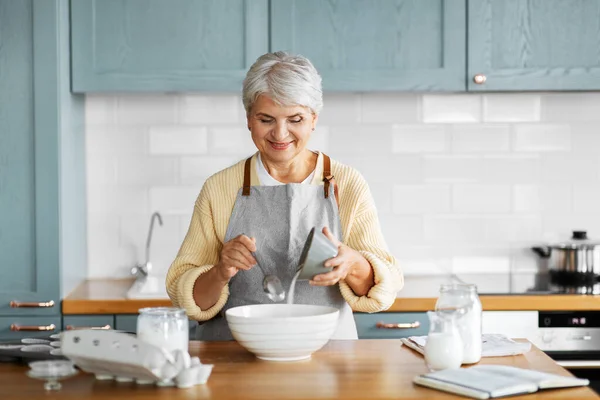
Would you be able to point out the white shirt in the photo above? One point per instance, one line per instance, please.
(267, 180)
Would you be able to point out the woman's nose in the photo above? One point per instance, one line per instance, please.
(281, 131)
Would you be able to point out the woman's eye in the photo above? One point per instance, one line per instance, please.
(296, 121)
(265, 121)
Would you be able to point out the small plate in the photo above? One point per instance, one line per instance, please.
(34, 341)
(55, 344)
(11, 346)
(37, 348)
(55, 336)
(56, 352)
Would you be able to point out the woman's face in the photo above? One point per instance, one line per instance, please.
(280, 133)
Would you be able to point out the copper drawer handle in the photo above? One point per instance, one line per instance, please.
(406, 325)
(38, 328)
(24, 304)
(74, 328)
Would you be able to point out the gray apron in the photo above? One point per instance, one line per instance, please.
(280, 218)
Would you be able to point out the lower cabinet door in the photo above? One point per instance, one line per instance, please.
(391, 325)
(126, 322)
(88, 322)
(15, 328)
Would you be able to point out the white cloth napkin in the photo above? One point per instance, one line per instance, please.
(493, 345)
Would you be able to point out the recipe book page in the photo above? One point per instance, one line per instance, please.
(491, 381)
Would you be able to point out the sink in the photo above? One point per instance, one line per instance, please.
(150, 287)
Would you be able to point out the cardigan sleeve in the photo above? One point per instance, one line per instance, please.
(199, 252)
(365, 236)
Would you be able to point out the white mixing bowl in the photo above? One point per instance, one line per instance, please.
(282, 332)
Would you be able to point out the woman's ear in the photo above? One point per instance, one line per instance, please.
(314, 121)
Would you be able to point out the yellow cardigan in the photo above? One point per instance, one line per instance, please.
(202, 245)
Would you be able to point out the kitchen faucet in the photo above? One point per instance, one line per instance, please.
(144, 269)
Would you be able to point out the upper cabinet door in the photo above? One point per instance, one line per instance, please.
(376, 45)
(29, 184)
(158, 45)
(534, 44)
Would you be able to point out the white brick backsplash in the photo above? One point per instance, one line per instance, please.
(540, 138)
(419, 139)
(452, 168)
(461, 229)
(586, 198)
(231, 140)
(360, 139)
(101, 170)
(178, 140)
(165, 238)
(147, 171)
(547, 198)
(195, 170)
(174, 200)
(513, 229)
(567, 168)
(451, 108)
(389, 107)
(480, 265)
(213, 109)
(411, 199)
(100, 110)
(585, 138)
(340, 109)
(112, 140)
(402, 228)
(462, 182)
(146, 110)
(571, 107)
(319, 139)
(480, 138)
(481, 199)
(511, 108)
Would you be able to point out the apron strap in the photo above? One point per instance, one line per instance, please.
(246, 189)
(328, 178)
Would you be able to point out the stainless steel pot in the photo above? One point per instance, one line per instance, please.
(575, 262)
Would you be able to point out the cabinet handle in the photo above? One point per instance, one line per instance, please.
(479, 79)
(74, 328)
(406, 325)
(38, 328)
(24, 304)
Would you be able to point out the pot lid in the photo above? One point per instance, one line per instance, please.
(579, 239)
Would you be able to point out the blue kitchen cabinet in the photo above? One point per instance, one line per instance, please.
(533, 45)
(383, 45)
(391, 325)
(164, 46)
(40, 246)
(126, 322)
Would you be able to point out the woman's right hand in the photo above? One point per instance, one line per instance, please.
(236, 255)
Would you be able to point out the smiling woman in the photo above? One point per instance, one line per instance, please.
(265, 206)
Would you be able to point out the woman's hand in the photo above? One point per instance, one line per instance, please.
(344, 264)
(236, 255)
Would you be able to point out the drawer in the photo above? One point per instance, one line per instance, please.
(49, 325)
(413, 324)
(88, 321)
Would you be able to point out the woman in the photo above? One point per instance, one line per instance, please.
(266, 206)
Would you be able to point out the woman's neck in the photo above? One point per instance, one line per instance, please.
(295, 170)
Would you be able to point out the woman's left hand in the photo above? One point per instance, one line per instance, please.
(343, 264)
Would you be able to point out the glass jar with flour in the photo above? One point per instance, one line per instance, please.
(462, 300)
(165, 327)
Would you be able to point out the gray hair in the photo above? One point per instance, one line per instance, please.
(287, 79)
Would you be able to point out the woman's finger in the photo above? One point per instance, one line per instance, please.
(229, 262)
(330, 236)
(248, 242)
(240, 252)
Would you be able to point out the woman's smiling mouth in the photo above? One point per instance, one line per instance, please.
(279, 145)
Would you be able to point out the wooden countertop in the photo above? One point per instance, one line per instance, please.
(108, 296)
(353, 369)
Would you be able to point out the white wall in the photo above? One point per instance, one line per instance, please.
(462, 182)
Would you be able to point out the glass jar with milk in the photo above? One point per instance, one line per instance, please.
(165, 327)
(444, 348)
(461, 300)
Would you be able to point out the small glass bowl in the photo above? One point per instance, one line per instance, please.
(51, 372)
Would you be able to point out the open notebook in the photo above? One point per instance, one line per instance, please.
(491, 381)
